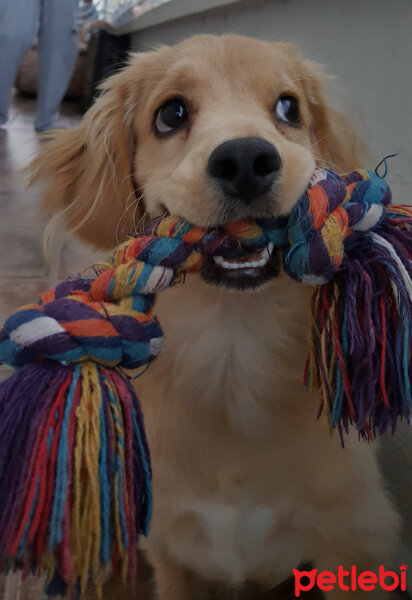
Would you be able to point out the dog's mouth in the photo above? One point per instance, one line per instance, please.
(249, 271)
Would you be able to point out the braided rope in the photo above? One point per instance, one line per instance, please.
(74, 462)
(110, 320)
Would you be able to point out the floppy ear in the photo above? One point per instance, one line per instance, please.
(335, 142)
(88, 170)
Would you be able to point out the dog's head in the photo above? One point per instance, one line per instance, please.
(214, 129)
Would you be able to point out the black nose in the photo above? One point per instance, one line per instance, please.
(244, 167)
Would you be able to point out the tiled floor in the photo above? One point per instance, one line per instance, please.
(24, 272)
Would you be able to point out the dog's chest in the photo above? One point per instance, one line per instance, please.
(225, 378)
(243, 353)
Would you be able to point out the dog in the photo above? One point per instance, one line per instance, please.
(248, 485)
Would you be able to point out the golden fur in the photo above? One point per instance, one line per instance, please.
(246, 483)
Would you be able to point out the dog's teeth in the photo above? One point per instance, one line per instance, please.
(265, 255)
(219, 260)
(267, 251)
(230, 265)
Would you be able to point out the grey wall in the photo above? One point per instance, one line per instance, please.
(364, 43)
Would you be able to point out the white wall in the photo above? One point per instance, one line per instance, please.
(364, 43)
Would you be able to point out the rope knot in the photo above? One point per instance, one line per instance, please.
(324, 221)
(71, 325)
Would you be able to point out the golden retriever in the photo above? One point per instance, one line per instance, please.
(247, 484)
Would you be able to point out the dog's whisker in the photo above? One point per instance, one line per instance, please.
(127, 208)
(328, 162)
(319, 141)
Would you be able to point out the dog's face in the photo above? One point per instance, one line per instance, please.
(215, 129)
(225, 132)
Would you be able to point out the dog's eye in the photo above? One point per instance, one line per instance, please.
(170, 116)
(287, 109)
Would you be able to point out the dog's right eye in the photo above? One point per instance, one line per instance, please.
(170, 116)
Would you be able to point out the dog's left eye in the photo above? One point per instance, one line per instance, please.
(287, 109)
(170, 116)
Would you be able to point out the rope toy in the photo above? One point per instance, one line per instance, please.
(74, 463)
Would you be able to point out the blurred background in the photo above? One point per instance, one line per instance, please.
(365, 45)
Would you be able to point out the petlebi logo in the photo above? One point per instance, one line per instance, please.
(350, 580)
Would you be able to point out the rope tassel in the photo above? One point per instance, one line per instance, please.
(360, 353)
(74, 463)
(78, 476)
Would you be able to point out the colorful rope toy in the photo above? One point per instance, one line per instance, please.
(74, 462)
